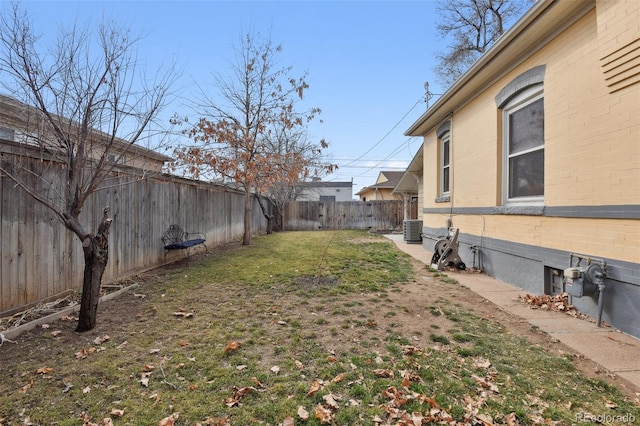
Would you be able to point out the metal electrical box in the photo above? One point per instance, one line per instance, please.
(575, 283)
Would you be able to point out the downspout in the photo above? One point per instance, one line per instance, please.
(452, 171)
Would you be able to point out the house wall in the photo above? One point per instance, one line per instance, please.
(342, 193)
(379, 194)
(592, 169)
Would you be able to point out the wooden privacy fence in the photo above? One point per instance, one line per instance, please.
(41, 260)
(315, 215)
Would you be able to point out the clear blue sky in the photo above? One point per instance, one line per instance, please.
(367, 61)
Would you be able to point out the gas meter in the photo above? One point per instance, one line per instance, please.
(582, 280)
(586, 280)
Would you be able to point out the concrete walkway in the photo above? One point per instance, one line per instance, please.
(616, 352)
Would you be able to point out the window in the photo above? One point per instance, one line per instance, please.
(445, 166)
(444, 162)
(116, 159)
(523, 147)
(7, 134)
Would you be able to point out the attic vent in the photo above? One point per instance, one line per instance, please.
(622, 68)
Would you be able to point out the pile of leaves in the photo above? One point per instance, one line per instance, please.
(557, 303)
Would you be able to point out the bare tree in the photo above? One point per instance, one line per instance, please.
(471, 26)
(85, 108)
(250, 132)
(300, 160)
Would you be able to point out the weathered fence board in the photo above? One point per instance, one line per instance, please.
(314, 215)
(40, 259)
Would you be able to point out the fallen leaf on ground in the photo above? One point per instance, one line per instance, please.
(169, 421)
(323, 414)
(26, 387)
(338, 378)
(302, 413)
(288, 421)
(117, 412)
(100, 340)
(44, 370)
(315, 387)
(232, 346)
(383, 373)
(330, 401)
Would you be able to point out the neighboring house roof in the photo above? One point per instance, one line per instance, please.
(540, 23)
(15, 114)
(386, 179)
(321, 184)
(408, 182)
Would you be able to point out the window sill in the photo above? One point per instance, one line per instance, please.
(443, 199)
(520, 210)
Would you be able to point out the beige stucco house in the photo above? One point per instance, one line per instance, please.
(534, 155)
(382, 189)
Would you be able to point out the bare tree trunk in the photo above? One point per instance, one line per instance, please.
(246, 238)
(265, 213)
(96, 256)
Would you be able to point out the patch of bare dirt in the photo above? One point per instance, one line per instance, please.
(405, 311)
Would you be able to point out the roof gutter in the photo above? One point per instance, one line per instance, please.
(456, 96)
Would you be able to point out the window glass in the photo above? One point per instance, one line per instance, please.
(523, 139)
(445, 167)
(526, 127)
(526, 175)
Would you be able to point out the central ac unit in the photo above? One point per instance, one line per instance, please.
(412, 231)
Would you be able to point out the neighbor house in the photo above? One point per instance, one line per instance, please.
(534, 155)
(382, 189)
(18, 121)
(318, 190)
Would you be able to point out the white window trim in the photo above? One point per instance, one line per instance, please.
(517, 102)
(445, 138)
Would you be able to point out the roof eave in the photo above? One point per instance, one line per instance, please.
(500, 58)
